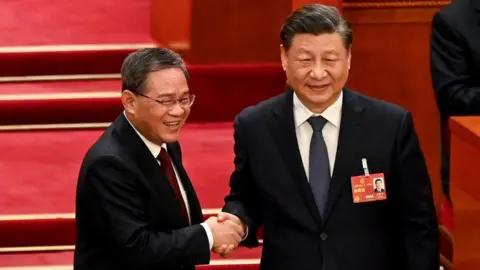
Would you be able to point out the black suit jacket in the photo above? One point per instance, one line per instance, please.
(127, 215)
(269, 187)
(455, 66)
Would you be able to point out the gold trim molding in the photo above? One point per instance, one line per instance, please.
(76, 47)
(45, 78)
(54, 127)
(218, 262)
(37, 249)
(205, 211)
(402, 4)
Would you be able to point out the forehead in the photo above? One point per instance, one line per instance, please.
(169, 81)
(322, 43)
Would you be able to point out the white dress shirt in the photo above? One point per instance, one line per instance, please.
(155, 150)
(304, 131)
(330, 132)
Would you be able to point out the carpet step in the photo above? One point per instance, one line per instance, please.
(54, 156)
(47, 232)
(221, 92)
(241, 258)
(236, 265)
(26, 63)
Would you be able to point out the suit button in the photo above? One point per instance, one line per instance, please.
(323, 236)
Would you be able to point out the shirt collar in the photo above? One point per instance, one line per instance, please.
(332, 114)
(152, 147)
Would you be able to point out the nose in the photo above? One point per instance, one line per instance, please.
(318, 71)
(177, 110)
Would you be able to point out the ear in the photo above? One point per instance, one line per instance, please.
(349, 57)
(283, 57)
(129, 101)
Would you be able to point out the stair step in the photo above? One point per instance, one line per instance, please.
(47, 232)
(222, 91)
(62, 260)
(31, 61)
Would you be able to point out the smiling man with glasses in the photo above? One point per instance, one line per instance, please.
(136, 207)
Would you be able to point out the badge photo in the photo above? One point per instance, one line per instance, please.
(368, 187)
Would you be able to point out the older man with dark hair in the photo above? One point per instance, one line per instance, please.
(301, 160)
(136, 207)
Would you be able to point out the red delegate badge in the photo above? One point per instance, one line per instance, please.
(368, 188)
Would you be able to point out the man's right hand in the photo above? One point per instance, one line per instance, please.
(226, 233)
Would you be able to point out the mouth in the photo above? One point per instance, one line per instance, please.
(172, 124)
(319, 87)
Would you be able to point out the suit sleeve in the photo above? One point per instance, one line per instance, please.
(449, 71)
(243, 199)
(119, 210)
(418, 217)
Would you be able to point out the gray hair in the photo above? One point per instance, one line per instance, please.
(137, 65)
(315, 19)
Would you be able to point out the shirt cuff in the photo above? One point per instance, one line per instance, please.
(246, 233)
(209, 235)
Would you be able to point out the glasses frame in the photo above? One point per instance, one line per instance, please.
(168, 107)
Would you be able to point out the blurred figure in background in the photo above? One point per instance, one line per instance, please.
(455, 68)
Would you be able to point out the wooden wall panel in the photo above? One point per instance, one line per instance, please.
(236, 31)
(390, 61)
(170, 23)
(224, 31)
(299, 3)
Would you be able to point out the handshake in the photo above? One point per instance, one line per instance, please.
(228, 231)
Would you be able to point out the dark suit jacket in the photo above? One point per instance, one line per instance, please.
(455, 66)
(127, 215)
(381, 190)
(269, 187)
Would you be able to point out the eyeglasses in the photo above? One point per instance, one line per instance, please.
(185, 101)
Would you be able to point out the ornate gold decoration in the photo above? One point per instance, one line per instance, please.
(395, 4)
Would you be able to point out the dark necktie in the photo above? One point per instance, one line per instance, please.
(167, 168)
(319, 166)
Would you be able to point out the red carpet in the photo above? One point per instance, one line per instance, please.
(40, 168)
(66, 258)
(221, 92)
(52, 87)
(257, 81)
(64, 60)
(36, 22)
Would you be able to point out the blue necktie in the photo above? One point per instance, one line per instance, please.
(319, 167)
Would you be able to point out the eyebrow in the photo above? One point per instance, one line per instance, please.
(303, 50)
(172, 94)
(332, 52)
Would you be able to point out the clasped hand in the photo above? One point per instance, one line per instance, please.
(228, 231)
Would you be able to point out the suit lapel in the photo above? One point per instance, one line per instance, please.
(194, 204)
(283, 130)
(147, 164)
(350, 127)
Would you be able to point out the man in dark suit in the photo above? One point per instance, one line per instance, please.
(295, 155)
(455, 67)
(378, 185)
(136, 207)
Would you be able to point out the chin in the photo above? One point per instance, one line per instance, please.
(171, 138)
(321, 98)
(325, 96)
